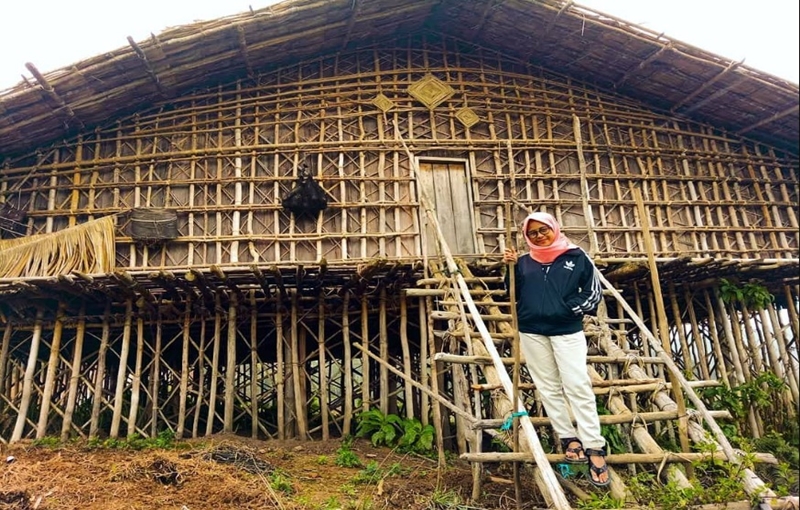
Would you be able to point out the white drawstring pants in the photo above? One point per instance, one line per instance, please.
(557, 365)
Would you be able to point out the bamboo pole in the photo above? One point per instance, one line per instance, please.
(101, 373)
(7, 331)
(347, 427)
(323, 370)
(299, 398)
(663, 324)
(365, 393)
(280, 368)
(201, 377)
(383, 346)
(27, 381)
(408, 401)
(230, 367)
(122, 372)
(184, 377)
(50, 378)
(136, 377)
(515, 342)
(255, 370)
(214, 381)
(424, 361)
(155, 377)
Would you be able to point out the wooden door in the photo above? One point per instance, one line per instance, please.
(447, 186)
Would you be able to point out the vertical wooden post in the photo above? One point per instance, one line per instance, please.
(184, 383)
(201, 377)
(423, 362)
(280, 370)
(408, 403)
(297, 372)
(663, 324)
(255, 370)
(712, 328)
(348, 366)
(155, 376)
(122, 372)
(101, 373)
(323, 369)
(383, 343)
(587, 209)
(136, 380)
(27, 380)
(4, 359)
(437, 409)
(365, 394)
(230, 366)
(212, 392)
(50, 378)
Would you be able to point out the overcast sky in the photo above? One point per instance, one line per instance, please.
(56, 33)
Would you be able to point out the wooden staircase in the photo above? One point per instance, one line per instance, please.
(464, 329)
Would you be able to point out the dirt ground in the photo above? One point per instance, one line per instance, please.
(229, 472)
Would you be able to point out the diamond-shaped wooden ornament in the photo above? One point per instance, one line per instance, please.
(431, 91)
(383, 102)
(467, 116)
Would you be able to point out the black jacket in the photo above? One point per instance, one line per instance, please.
(552, 298)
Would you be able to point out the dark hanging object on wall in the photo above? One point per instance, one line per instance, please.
(153, 225)
(12, 221)
(307, 197)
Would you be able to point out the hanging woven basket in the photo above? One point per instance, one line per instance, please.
(153, 225)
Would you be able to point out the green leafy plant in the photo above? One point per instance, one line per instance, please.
(407, 434)
(279, 481)
(345, 456)
(381, 429)
(751, 294)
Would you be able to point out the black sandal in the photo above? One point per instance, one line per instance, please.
(577, 451)
(597, 470)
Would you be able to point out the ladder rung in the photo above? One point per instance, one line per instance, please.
(485, 360)
(605, 419)
(447, 302)
(454, 315)
(614, 458)
(443, 292)
(436, 281)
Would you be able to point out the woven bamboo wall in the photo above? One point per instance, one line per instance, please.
(224, 157)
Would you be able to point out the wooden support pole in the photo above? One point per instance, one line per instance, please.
(383, 344)
(155, 378)
(122, 372)
(50, 378)
(4, 359)
(100, 375)
(136, 377)
(201, 378)
(186, 334)
(365, 393)
(408, 400)
(280, 367)
(348, 366)
(297, 372)
(214, 381)
(27, 380)
(323, 369)
(230, 367)
(663, 324)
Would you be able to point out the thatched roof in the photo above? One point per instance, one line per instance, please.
(581, 43)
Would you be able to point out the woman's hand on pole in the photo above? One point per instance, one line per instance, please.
(510, 256)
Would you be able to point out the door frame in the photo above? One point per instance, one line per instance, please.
(419, 160)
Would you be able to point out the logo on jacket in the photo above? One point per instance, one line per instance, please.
(569, 265)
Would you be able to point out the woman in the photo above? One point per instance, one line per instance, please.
(556, 283)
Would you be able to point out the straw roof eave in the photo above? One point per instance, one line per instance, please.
(574, 41)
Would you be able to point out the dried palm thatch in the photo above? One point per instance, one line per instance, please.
(88, 248)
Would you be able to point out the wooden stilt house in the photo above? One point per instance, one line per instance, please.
(259, 224)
